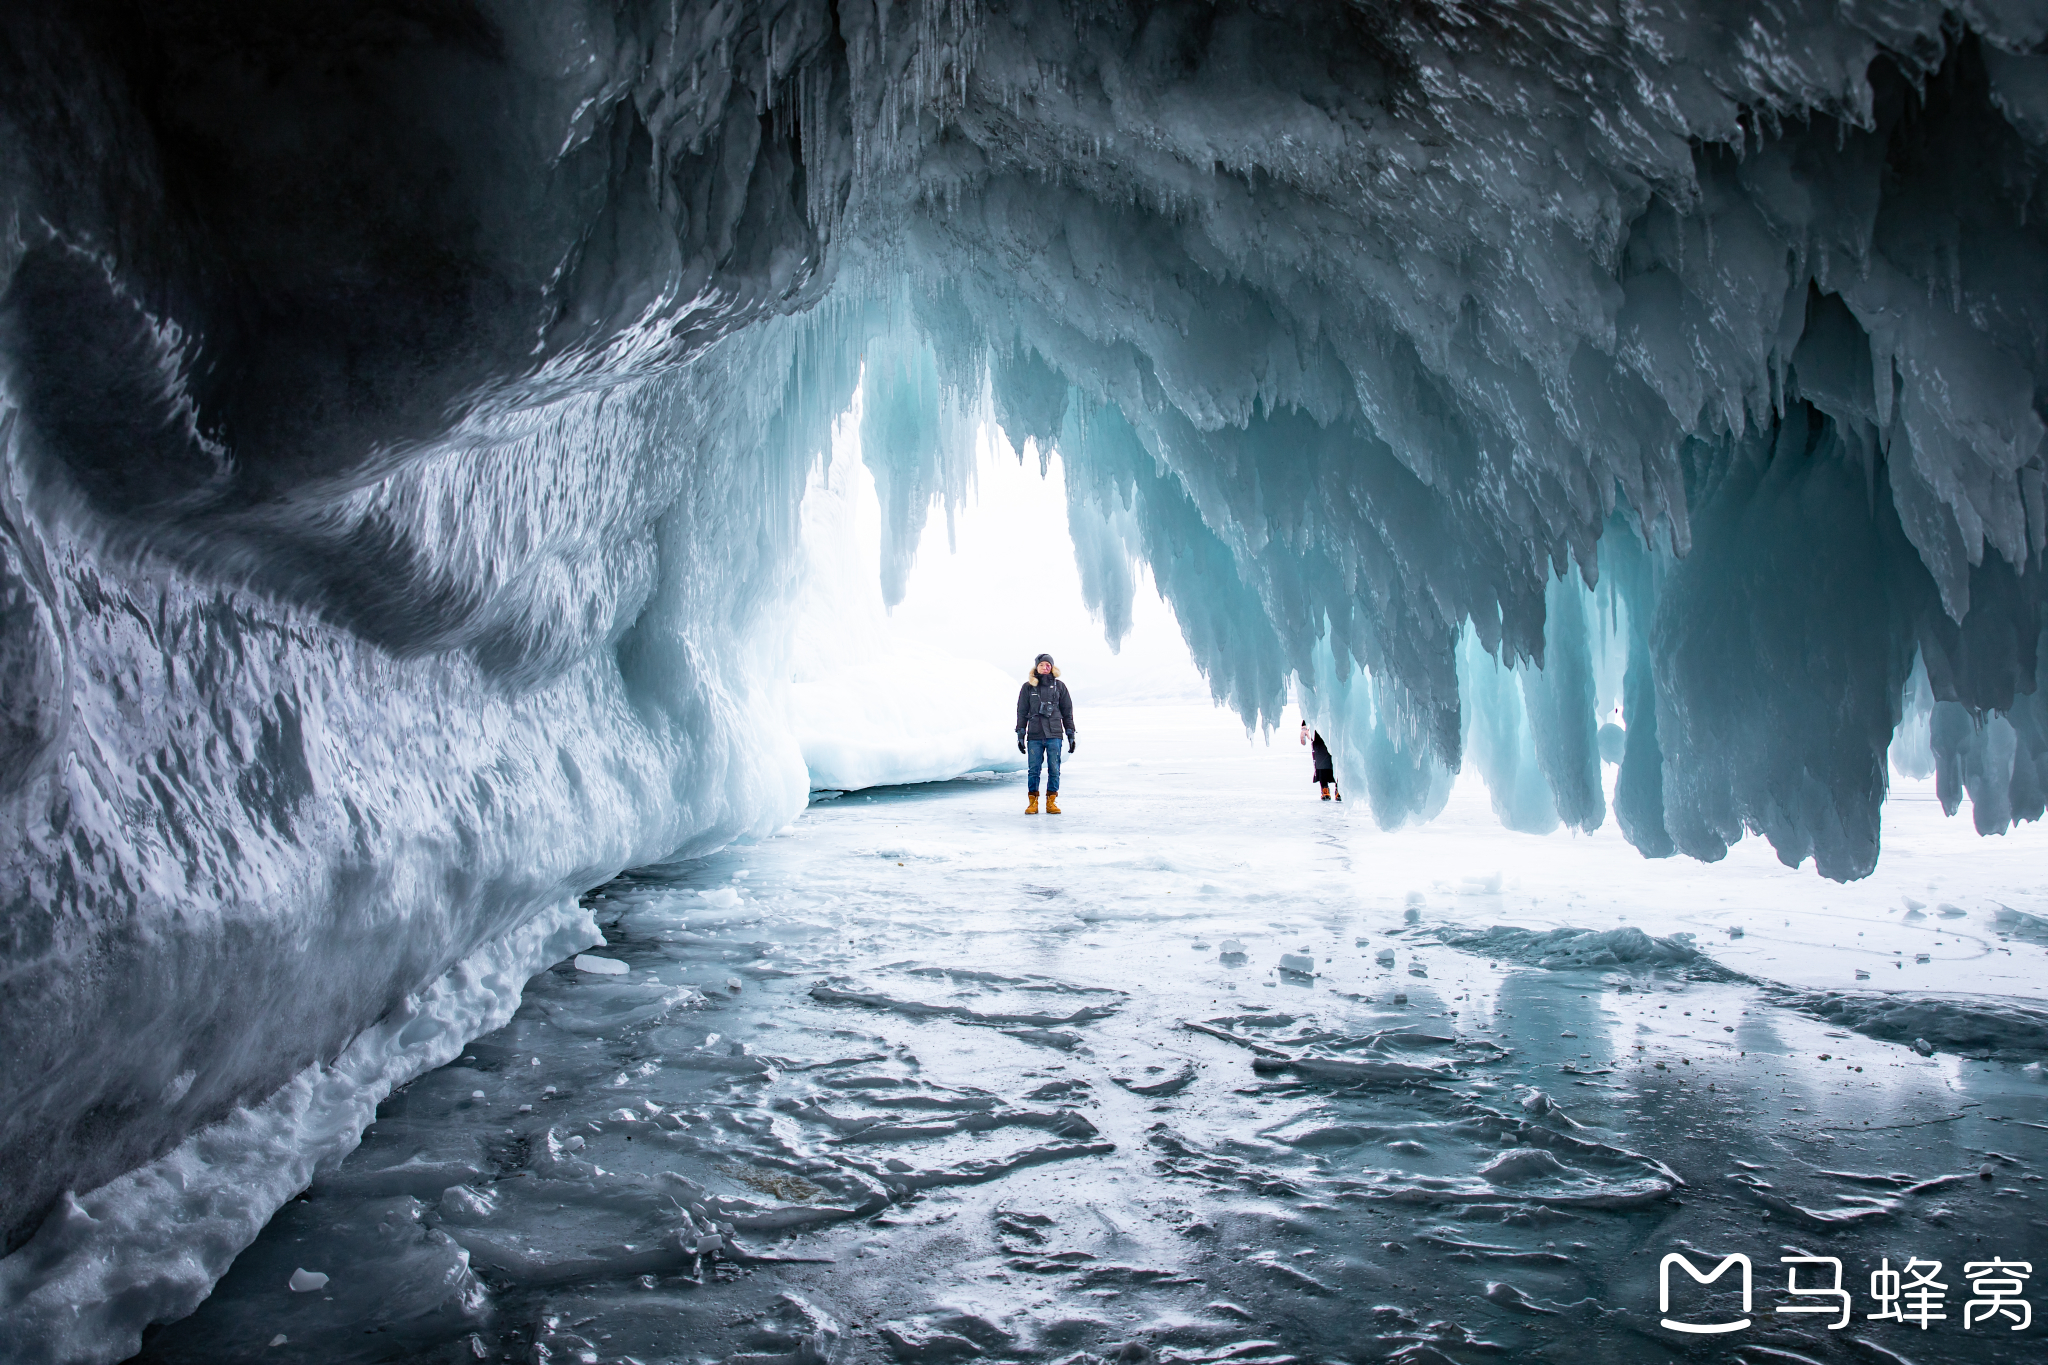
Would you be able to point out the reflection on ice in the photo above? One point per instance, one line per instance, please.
(990, 1087)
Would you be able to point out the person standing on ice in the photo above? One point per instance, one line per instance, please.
(1045, 715)
(1326, 767)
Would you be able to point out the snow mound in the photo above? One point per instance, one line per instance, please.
(925, 718)
(868, 707)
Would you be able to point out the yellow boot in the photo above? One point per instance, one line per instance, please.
(1052, 803)
(1031, 806)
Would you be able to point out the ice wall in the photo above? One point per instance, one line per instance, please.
(252, 832)
(406, 413)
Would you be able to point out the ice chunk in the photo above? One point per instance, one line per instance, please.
(1968, 1024)
(305, 1281)
(600, 966)
(1230, 947)
(2010, 921)
(720, 898)
(1168, 1077)
(732, 983)
(1523, 1164)
(1613, 743)
(462, 1204)
(1298, 963)
(1513, 1299)
(1566, 949)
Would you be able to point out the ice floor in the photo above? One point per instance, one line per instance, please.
(922, 1078)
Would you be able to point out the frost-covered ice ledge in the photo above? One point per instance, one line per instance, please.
(406, 411)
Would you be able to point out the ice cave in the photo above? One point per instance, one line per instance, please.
(525, 522)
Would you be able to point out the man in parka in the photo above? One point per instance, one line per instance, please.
(1045, 715)
(1326, 768)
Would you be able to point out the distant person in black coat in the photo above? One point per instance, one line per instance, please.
(1045, 715)
(1326, 769)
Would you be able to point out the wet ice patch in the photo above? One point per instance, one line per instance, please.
(988, 1008)
(605, 1003)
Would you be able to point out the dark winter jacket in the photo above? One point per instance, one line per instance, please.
(1326, 771)
(1045, 709)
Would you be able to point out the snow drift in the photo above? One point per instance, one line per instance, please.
(407, 410)
(871, 707)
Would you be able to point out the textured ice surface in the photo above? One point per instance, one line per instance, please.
(882, 1140)
(405, 428)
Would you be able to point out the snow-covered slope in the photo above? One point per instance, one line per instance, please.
(406, 412)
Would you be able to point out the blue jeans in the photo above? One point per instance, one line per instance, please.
(1046, 751)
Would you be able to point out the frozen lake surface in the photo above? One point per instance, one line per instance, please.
(924, 1079)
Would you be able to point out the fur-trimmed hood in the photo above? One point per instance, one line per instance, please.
(1031, 678)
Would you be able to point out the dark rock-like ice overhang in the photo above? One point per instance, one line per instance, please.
(406, 407)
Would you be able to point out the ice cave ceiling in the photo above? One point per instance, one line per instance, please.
(406, 407)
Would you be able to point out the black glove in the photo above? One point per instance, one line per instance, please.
(1071, 742)
(1020, 745)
